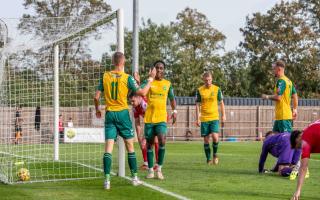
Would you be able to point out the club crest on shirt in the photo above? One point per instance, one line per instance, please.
(164, 88)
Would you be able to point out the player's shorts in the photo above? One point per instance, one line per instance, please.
(282, 126)
(210, 127)
(151, 129)
(18, 128)
(118, 122)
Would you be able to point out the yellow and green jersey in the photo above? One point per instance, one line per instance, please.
(157, 96)
(285, 89)
(116, 86)
(209, 98)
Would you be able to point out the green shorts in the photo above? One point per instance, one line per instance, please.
(118, 122)
(210, 127)
(151, 129)
(281, 126)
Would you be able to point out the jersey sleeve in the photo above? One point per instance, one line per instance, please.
(132, 84)
(281, 86)
(171, 93)
(100, 85)
(293, 90)
(198, 97)
(144, 83)
(220, 96)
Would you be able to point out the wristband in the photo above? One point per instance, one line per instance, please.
(174, 111)
(150, 79)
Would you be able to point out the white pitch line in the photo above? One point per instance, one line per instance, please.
(159, 189)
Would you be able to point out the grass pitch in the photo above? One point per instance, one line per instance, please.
(186, 174)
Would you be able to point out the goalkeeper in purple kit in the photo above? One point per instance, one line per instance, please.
(279, 146)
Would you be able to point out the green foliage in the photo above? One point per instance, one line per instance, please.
(236, 74)
(197, 45)
(155, 42)
(283, 33)
(188, 46)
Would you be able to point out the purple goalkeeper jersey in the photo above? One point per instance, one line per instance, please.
(279, 146)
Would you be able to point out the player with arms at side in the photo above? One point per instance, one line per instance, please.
(155, 118)
(115, 86)
(139, 105)
(284, 91)
(207, 114)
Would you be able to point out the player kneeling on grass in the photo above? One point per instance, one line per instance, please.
(155, 118)
(208, 98)
(309, 141)
(139, 105)
(115, 85)
(278, 145)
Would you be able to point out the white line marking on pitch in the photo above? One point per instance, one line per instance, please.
(159, 189)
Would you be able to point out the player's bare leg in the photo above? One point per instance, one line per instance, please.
(143, 147)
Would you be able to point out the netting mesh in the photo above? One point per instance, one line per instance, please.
(27, 89)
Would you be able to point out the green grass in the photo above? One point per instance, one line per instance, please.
(187, 174)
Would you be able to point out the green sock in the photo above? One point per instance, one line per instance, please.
(207, 151)
(161, 152)
(215, 148)
(150, 158)
(132, 160)
(107, 160)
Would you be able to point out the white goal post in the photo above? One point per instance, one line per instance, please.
(55, 75)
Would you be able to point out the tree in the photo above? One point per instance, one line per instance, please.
(236, 73)
(197, 44)
(55, 18)
(283, 33)
(189, 46)
(155, 43)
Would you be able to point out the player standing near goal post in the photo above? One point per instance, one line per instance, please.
(155, 118)
(139, 106)
(207, 114)
(116, 85)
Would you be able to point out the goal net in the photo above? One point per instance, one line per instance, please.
(48, 77)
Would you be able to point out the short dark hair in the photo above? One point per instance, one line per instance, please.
(159, 61)
(293, 137)
(132, 94)
(268, 133)
(117, 57)
(279, 63)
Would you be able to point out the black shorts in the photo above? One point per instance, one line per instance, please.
(18, 128)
